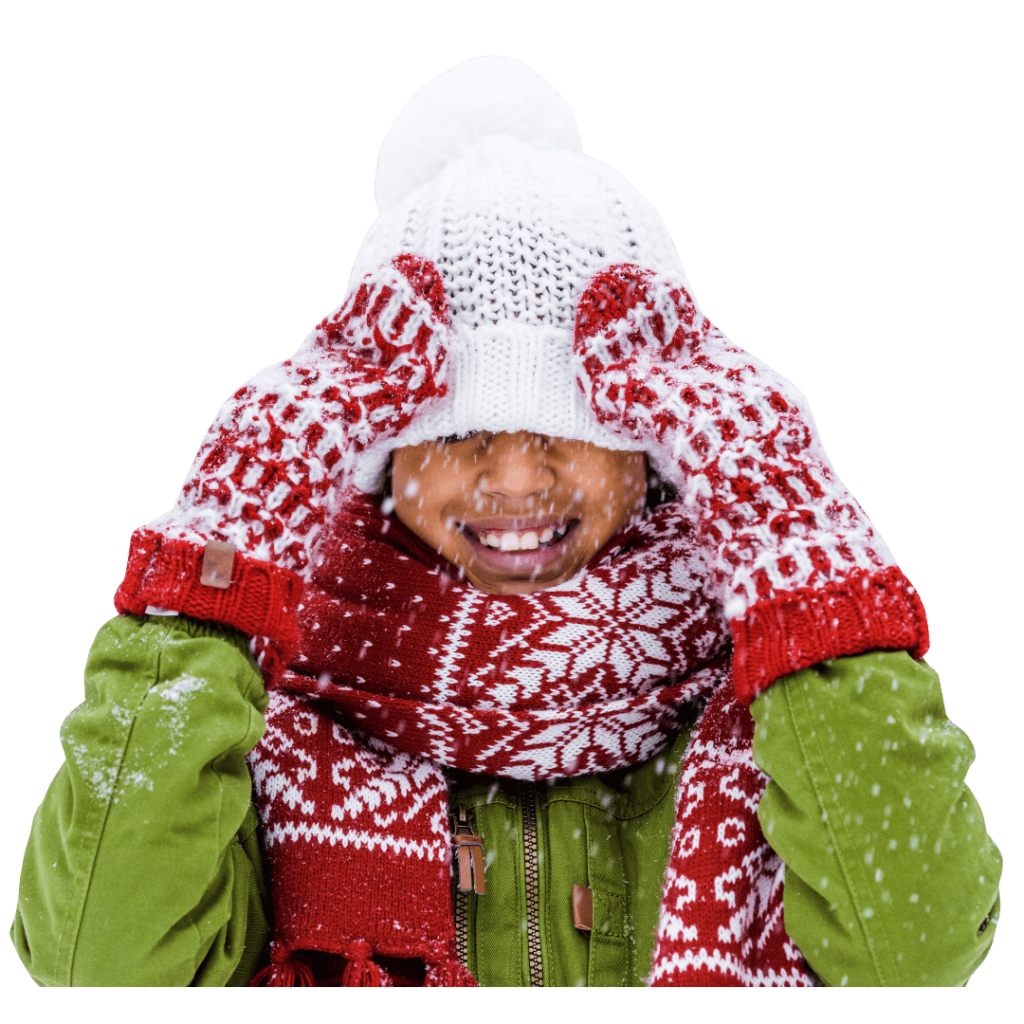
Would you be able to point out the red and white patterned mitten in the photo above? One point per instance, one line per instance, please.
(261, 486)
(803, 575)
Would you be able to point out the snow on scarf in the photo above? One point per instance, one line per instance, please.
(385, 668)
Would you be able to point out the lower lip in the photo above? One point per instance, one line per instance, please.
(522, 564)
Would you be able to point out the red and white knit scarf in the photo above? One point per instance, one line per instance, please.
(384, 668)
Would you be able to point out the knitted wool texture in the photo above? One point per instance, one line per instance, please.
(763, 560)
(483, 174)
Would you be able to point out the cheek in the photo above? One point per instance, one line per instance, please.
(627, 489)
(408, 488)
(429, 492)
(414, 474)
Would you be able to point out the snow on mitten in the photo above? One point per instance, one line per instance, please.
(236, 546)
(803, 575)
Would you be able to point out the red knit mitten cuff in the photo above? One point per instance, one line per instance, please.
(261, 599)
(867, 612)
(801, 573)
(262, 482)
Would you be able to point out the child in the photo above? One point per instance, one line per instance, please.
(519, 557)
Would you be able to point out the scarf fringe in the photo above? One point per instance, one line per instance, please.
(763, 547)
(448, 974)
(284, 971)
(361, 971)
(288, 970)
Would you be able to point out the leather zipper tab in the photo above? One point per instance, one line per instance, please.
(582, 908)
(468, 854)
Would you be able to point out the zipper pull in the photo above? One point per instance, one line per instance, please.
(468, 853)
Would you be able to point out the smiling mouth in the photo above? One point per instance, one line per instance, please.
(529, 538)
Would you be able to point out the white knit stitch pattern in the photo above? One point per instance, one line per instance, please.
(280, 442)
(507, 377)
(746, 876)
(731, 434)
(371, 789)
(516, 233)
(581, 681)
(576, 679)
(516, 222)
(483, 174)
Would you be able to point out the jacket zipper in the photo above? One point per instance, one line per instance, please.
(462, 926)
(533, 952)
(464, 822)
(468, 865)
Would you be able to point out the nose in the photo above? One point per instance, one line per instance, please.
(516, 466)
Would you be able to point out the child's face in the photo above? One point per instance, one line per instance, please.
(516, 512)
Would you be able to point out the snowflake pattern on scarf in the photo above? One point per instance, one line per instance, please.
(390, 669)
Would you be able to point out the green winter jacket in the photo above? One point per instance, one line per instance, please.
(143, 865)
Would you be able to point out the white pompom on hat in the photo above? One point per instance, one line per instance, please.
(483, 173)
(448, 116)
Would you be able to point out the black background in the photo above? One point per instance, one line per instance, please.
(190, 212)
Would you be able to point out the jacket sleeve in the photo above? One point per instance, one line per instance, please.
(891, 878)
(142, 866)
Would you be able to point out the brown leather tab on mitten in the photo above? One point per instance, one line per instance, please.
(582, 908)
(218, 558)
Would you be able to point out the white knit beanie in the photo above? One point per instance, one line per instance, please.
(483, 173)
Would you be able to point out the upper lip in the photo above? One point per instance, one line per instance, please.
(515, 524)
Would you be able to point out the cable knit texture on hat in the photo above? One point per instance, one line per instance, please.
(517, 221)
(512, 283)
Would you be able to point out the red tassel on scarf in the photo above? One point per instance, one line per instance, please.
(283, 971)
(448, 974)
(361, 971)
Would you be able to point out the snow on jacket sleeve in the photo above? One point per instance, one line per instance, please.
(891, 878)
(142, 866)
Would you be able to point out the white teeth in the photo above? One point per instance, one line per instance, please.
(529, 541)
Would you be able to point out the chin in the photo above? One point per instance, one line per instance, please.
(518, 584)
(506, 588)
